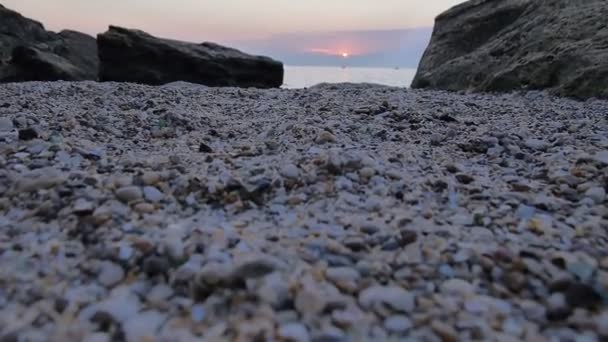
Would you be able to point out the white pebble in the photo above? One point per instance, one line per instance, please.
(152, 194)
(294, 332)
(110, 274)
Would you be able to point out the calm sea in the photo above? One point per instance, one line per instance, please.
(306, 76)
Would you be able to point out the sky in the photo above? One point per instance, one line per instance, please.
(368, 32)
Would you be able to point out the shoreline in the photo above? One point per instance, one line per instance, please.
(342, 211)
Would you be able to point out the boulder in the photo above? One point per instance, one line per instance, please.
(134, 56)
(507, 45)
(15, 29)
(30, 53)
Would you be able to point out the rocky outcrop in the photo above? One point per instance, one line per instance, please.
(135, 56)
(506, 45)
(30, 53)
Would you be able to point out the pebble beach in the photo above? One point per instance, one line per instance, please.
(349, 212)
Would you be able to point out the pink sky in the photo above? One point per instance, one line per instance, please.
(222, 20)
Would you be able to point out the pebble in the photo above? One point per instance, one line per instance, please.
(152, 194)
(444, 331)
(343, 277)
(390, 296)
(597, 194)
(325, 137)
(457, 286)
(83, 207)
(398, 324)
(97, 337)
(255, 267)
(144, 208)
(150, 178)
(537, 144)
(110, 274)
(602, 324)
(28, 134)
(6, 124)
(290, 171)
(129, 194)
(294, 332)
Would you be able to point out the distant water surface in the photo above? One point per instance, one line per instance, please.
(306, 76)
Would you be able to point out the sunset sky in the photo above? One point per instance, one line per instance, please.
(324, 27)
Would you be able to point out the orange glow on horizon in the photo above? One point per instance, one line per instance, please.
(341, 51)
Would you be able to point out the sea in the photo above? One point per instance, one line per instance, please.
(307, 76)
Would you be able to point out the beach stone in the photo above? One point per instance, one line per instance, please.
(6, 124)
(398, 324)
(125, 56)
(602, 324)
(601, 157)
(536, 144)
(110, 274)
(28, 134)
(129, 194)
(144, 208)
(155, 265)
(142, 326)
(150, 178)
(197, 313)
(597, 194)
(274, 290)
(290, 171)
(329, 334)
(557, 307)
(98, 337)
(457, 286)
(343, 277)
(377, 296)
(83, 207)
(444, 331)
(325, 137)
(294, 332)
(255, 267)
(41, 179)
(30, 53)
(152, 194)
(493, 59)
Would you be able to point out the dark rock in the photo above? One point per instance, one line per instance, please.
(30, 53)
(407, 237)
(577, 294)
(135, 56)
(155, 265)
(15, 29)
(506, 45)
(582, 295)
(27, 134)
(32, 64)
(204, 148)
(475, 146)
(464, 178)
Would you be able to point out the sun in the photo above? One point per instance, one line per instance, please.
(345, 54)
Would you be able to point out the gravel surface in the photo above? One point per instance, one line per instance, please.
(336, 213)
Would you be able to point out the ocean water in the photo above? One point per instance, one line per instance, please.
(306, 76)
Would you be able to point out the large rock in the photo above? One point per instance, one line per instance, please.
(505, 45)
(135, 56)
(30, 53)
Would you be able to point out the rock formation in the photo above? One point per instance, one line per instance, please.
(506, 45)
(135, 56)
(30, 53)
